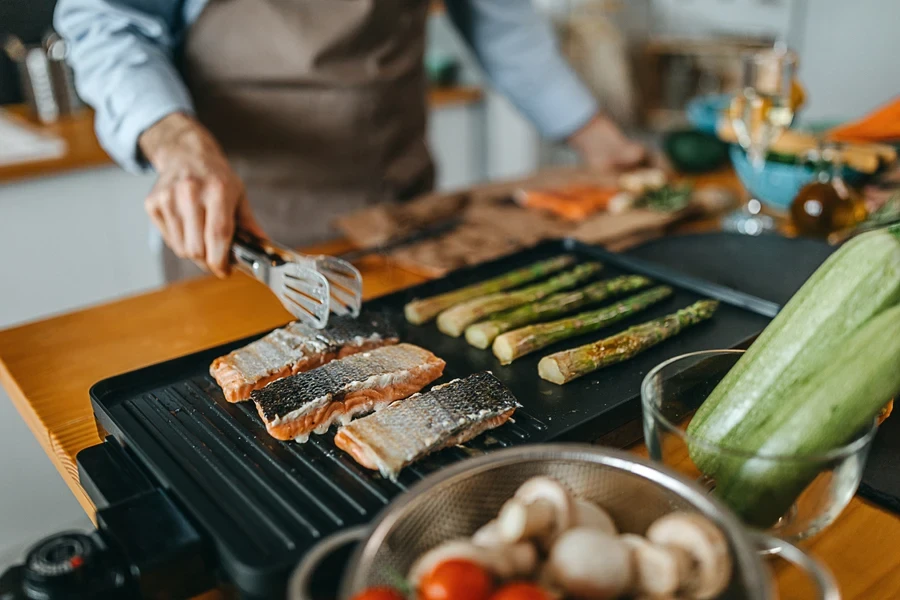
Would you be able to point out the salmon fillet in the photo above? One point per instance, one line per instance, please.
(296, 348)
(445, 416)
(310, 402)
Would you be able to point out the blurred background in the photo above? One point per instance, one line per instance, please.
(65, 205)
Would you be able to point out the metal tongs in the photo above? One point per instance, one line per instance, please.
(309, 287)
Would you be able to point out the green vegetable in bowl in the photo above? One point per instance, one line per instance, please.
(833, 406)
(789, 374)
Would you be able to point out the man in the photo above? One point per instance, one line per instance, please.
(277, 115)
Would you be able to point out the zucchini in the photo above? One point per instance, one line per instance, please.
(832, 406)
(859, 281)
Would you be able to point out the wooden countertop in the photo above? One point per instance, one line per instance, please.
(84, 151)
(48, 366)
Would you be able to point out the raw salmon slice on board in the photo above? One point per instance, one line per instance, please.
(310, 402)
(445, 416)
(294, 349)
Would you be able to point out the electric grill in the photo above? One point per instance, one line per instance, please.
(193, 493)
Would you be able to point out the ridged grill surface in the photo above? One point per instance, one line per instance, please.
(268, 501)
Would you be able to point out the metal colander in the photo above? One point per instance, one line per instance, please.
(458, 500)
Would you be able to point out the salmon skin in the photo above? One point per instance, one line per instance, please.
(310, 402)
(445, 416)
(296, 348)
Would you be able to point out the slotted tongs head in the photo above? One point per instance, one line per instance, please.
(303, 291)
(344, 279)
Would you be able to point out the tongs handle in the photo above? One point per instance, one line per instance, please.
(251, 256)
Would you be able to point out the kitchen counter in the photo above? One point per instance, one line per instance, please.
(83, 151)
(48, 366)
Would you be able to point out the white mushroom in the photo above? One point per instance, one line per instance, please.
(488, 536)
(658, 570)
(588, 514)
(707, 547)
(518, 560)
(589, 564)
(541, 509)
(503, 561)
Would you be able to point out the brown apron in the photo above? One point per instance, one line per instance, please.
(319, 105)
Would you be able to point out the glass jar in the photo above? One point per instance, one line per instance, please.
(819, 485)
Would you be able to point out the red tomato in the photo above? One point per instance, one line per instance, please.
(521, 591)
(379, 593)
(456, 580)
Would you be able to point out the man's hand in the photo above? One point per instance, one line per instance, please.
(198, 199)
(604, 147)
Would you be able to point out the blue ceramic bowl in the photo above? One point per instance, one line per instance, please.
(778, 183)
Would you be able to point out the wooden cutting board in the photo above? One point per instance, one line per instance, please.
(492, 225)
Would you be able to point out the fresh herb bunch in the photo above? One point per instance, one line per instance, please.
(668, 198)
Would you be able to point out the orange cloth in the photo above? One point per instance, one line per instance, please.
(881, 125)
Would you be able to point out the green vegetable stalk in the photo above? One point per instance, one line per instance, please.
(424, 310)
(454, 320)
(517, 343)
(482, 334)
(567, 365)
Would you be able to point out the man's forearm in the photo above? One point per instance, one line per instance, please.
(156, 141)
(171, 136)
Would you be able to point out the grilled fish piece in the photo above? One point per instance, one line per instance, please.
(296, 348)
(406, 431)
(296, 406)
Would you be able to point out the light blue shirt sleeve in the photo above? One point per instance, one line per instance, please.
(517, 49)
(121, 52)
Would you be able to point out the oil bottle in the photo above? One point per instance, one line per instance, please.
(827, 204)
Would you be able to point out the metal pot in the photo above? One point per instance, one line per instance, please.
(458, 500)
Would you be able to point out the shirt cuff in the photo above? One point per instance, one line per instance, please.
(129, 115)
(563, 106)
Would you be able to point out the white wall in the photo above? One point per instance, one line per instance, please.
(81, 238)
(849, 57)
(457, 138)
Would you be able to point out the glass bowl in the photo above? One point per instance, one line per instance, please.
(813, 489)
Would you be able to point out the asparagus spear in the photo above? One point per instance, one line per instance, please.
(454, 320)
(424, 310)
(482, 334)
(567, 365)
(515, 344)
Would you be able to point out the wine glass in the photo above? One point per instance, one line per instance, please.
(760, 111)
